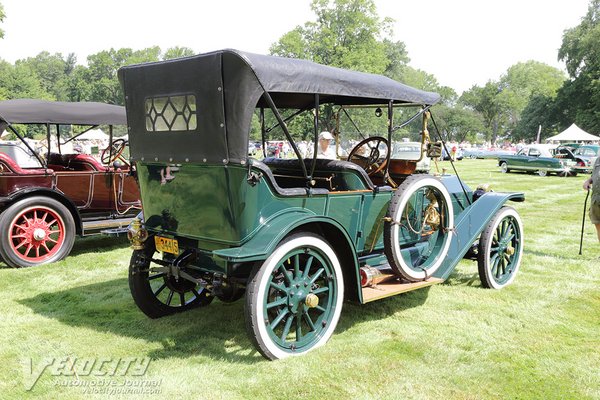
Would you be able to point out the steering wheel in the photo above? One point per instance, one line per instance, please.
(117, 146)
(367, 154)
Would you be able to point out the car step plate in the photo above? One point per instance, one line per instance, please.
(387, 289)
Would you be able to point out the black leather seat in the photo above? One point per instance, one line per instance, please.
(322, 167)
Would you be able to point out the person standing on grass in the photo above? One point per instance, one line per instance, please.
(593, 183)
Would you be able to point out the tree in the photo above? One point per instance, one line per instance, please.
(523, 81)
(20, 81)
(101, 73)
(2, 15)
(346, 34)
(540, 111)
(177, 52)
(52, 71)
(579, 98)
(486, 102)
(457, 123)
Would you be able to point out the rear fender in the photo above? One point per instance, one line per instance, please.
(264, 242)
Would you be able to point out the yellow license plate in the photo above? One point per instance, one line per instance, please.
(166, 245)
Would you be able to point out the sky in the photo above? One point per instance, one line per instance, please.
(461, 42)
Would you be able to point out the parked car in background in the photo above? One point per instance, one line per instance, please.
(446, 157)
(584, 156)
(538, 159)
(46, 199)
(411, 151)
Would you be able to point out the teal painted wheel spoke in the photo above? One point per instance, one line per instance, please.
(316, 275)
(307, 267)
(279, 318)
(320, 309)
(285, 273)
(277, 287)
(494, 260)
(296, 266)
(309, 321)
(321, 290)
(298, 329)
(287, 327)
(282, 301)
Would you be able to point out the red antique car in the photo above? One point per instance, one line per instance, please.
(47, 197)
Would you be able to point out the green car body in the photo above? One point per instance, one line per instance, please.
(295, 236)
(536, 159)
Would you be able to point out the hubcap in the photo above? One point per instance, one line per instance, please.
(311, 300)
(39, 234)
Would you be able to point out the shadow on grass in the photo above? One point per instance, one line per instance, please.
(96, 243)
(217, 331)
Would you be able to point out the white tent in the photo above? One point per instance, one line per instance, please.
(574, 134)
(93, 134)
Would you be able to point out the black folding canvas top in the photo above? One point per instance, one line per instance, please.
(199, 108)
(33, 111)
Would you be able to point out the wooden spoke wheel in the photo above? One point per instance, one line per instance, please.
(36, 230)
(500, 249)
(417, 227)
(158, 293)
(294, 299)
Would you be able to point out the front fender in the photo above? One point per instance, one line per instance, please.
(470, 223)
(5, 202)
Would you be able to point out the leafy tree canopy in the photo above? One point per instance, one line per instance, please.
(2, 15)
(579, 99)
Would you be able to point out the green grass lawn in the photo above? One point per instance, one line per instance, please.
(538, 338)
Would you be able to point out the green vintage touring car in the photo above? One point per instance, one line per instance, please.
(297, 236)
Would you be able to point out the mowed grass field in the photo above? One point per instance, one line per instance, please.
(536, 339)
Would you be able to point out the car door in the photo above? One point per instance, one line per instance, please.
(534, 159)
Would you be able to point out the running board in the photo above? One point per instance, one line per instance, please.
(95, 227)
(387, 289)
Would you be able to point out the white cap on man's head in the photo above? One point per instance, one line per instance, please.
(325, 135)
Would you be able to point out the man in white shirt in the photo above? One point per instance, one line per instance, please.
(325, 151)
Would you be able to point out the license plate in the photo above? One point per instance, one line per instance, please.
(166, 245)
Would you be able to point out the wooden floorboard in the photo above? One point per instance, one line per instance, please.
(387, 289)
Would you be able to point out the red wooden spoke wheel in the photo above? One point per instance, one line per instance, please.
(36, 230)
(37, 233)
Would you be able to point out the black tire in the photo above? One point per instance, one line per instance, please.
(500, 249)
(504, 167)
(34, 231)
(303, 269)
(400, 234)
(149, 289)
